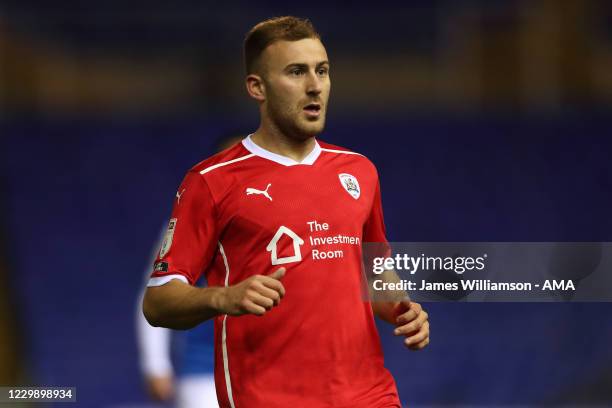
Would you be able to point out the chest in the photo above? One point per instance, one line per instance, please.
(306, 200)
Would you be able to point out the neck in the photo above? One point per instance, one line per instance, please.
(273, 140)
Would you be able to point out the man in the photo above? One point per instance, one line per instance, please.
(276, 225)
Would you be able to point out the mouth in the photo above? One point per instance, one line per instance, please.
(312, 110)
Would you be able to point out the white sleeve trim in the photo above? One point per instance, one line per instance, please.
(162, 280)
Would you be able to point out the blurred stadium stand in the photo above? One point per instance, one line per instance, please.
(113, 57)
(488, 120)
(10, 367)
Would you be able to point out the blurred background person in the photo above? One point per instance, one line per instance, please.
(190, 381)
(186, 382)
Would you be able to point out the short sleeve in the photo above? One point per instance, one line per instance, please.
(190, 241)
(374, 233)
(374, 227)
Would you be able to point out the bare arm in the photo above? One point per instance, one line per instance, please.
(395, 307)
(385, 304)
(177, 305)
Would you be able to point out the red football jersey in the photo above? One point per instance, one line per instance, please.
(249, 211)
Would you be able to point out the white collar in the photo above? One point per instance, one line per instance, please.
(248, 143)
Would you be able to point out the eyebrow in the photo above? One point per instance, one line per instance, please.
(302, 65)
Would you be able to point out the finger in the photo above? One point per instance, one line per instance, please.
(411, 314)
(405, 303)
(273, 284)
(416, 339)
(420, 345)
(416, 307)
(261, 300)
(419, 336)
(402, 307)
(413, 326)
(406, 317)
(252, 308)
(270, 294)
(278, 274)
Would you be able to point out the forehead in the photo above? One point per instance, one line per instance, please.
(282, 53)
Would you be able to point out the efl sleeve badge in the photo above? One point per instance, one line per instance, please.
(168, 238)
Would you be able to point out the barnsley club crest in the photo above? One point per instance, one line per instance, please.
(350, 184)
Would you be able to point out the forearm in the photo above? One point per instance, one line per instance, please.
(177, 305)
(385, 310)
(384, 304)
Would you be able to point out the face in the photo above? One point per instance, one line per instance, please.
(296, 81)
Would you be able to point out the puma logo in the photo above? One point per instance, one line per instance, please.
(251, 190)
(178, 196)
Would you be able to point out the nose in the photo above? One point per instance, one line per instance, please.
(314, 84)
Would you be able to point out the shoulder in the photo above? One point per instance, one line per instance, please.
(222, 160)
(330, 148)
(213, 175)
(347, 154)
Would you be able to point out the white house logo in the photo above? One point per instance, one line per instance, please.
(350, 184)
(272, 247)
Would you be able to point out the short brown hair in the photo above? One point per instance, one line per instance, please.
(287, 28)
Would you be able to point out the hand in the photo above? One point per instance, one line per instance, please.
(412, 322)
(256, 295)
(160, 388)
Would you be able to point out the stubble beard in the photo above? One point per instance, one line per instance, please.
(292, 125)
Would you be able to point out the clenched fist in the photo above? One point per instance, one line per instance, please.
(256, 295)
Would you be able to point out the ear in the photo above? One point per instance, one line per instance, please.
(255, 87)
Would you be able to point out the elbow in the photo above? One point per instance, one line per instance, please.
(157, 316)
(150, 313)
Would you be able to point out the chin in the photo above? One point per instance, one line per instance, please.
(310, 129)
(300, 128)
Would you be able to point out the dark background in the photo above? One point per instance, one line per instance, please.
(487, 120)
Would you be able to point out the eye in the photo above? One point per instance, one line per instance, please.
(323, 71)
(296, 72)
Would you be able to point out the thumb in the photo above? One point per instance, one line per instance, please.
(402, 306)
(405, 302)
(278, 274)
